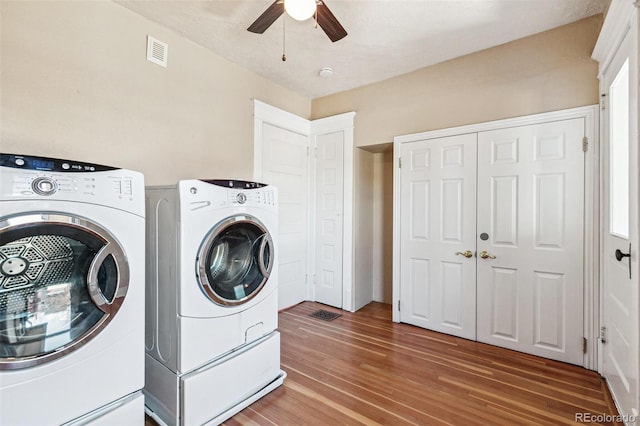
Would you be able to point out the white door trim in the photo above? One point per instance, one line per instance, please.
(341, 122)
(265, 113)
(620, 22)
(592, 204)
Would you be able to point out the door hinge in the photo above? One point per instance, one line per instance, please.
(399, 162)
(398, 305)
(603, 102)
(585, 144)
(603, 335)
(584, 345)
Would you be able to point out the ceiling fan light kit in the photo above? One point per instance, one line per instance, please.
(300, 10)
(324, 17)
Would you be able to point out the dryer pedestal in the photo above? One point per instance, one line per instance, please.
(216, 391)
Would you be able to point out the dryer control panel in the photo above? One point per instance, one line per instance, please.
(26, 177)
(246, 193)
(27, 162)
(256, 197)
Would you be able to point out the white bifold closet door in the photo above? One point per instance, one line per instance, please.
(514, 198)
(438, 216)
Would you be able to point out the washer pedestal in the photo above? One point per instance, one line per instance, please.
(216, 391)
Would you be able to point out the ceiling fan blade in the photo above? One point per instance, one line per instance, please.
(267, 18)
(329, 23)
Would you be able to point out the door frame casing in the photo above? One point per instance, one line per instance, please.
(322, 126)
(268, 114)
(591, 207)
(621, 20)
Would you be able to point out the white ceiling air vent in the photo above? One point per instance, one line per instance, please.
(157, 51)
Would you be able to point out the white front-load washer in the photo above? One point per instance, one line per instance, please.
(212, 310)
(71, 292)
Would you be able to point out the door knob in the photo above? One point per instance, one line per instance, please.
(620, 255)
(486, 255)
(466, 253)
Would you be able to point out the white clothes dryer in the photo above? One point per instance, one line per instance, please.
(71, 292)
(212, 309)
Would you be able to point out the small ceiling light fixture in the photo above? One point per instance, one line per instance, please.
(300, 10)
(325, 72)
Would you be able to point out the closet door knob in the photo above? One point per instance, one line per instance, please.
(486, 255)
(466, 253)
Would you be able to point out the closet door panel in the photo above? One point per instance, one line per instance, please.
(531, 206)
(437, 221)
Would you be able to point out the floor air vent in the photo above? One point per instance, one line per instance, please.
(325, 315)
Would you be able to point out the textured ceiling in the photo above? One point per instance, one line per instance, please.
(386, 37)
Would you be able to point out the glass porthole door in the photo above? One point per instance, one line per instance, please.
(235, 260)
(62, 279)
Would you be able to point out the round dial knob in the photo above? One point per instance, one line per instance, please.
(44, 186)
(241, 198)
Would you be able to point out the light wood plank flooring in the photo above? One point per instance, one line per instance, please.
(363, 369)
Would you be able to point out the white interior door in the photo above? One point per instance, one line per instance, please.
(328, 280)
(285, 164)
(530, 225)
(620, 230)
(438, 209)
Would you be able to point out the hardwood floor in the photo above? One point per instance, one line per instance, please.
(363, 369)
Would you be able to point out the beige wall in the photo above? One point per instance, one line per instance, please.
(75, 83)
(546, 72)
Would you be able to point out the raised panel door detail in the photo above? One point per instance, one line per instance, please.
(504, 307)
(420, 159)
(504, 151)
(420, 288)
(452, 286)
(551, 147)
(504, 210)
(549, 210)
(453, 156)
(549, 299)
(419, 210)
(451, 205)
(328, 279)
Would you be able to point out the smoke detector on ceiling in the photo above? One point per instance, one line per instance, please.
(325, 72)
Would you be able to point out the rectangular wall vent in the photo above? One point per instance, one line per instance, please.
(157, 51)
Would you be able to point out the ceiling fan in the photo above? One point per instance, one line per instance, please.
(300, 10)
